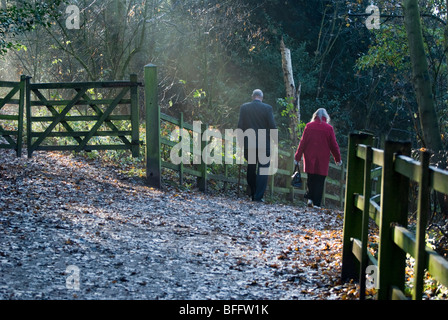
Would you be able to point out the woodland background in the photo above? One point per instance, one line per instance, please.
(212, 54)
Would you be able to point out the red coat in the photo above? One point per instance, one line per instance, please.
(318, 141)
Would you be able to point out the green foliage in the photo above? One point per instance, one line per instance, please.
(389, 49)
(288, 110)
(211, 55)
(286, 106)
(17, 19)
(384, 70)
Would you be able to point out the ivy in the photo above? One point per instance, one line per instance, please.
(17, 19)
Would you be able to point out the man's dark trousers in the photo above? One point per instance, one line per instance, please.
(257, 182)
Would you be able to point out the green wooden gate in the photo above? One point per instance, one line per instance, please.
(57, 111)
(12, 134)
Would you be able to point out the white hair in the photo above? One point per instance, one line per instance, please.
(257, 93)
(320, 113)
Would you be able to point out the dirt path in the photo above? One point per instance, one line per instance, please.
(128, 241)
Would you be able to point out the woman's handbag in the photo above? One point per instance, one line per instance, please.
(296, 181)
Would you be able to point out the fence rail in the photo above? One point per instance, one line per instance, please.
(389, 210)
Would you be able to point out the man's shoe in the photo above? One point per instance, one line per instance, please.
(310, 203)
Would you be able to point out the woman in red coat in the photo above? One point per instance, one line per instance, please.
(317, 143)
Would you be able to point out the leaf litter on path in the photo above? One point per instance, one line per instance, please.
(130, 241)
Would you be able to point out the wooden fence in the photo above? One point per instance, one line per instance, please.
(13, 136)
(155, 142)
(389, 210)
(75, 112)
(53, 109)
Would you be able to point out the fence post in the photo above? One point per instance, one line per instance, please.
(422, 219)
(20, 121)
(202, 180)
(352, 218)
(135, 122)
(367, 191)
(153, 160)
(292, 168)
(394, 206)
(342, 184)
(227, 140)
(29, 127)
(181, 138)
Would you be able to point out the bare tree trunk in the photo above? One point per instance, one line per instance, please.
(292, 93)
(115, 16)
(426, 106)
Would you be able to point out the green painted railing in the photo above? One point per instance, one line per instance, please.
(14, 97)
(389, 210)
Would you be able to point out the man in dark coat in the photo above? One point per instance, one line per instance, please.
(257, 117)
